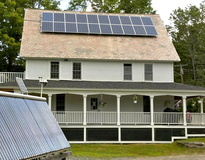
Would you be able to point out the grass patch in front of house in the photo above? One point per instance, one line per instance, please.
(107, 151)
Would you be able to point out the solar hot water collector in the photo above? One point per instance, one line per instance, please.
(28, 129)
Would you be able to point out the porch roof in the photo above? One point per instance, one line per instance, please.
(107, 85)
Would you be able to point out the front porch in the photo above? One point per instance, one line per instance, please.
(120, 110)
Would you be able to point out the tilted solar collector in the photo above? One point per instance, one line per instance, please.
(28, 128)
(97, 24)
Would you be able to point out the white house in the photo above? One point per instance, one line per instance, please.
(96, 65)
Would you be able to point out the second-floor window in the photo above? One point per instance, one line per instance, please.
(127, 71)
(60, 102)
(148, 72)
(76, 70)
(54, 70)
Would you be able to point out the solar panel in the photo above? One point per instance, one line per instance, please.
(136, 20)
(81, 18)
(47, 27)
(70, 18)
(139, 30)
(21, 85)
(82, 28)
(151, 30)
(59, 27)
(59, 17)
(92, 19)
(103, 19)
(98, 24)
(125, 20)
(128, 30)
(147, 21)
(94, 28)
(114, 20)
(117, 29)
(71, 27)
(105, 29)
(47, 16)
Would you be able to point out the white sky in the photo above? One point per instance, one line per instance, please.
(163, 7)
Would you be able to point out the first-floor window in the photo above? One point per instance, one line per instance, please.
(148, 72)
(94, 103)
(54, 70)
(146, 103)
(76, 70)
(127, 71)
(60, 102)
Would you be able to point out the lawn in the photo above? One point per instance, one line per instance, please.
(107, 151)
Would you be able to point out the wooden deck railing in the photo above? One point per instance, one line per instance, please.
(132, 118)
(10, 76)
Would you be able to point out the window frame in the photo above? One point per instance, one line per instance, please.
(52, 72)
(77, 70)
(125, 72)
(60, 102)
(148, 73)
(91, 103)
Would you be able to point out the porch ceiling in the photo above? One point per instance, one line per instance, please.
(106, 85)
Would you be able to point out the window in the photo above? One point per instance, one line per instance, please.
(146, 102)
(148, 72)
(55, 70)
(127, 71)
(94, 103)
(60, 102)
(76, 70)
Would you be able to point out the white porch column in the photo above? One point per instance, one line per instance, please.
(84, 109)
(184, 109)
(202, 105)
(118, 109)
(152, 109)
(50, 100)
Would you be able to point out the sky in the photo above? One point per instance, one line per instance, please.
(163, 7)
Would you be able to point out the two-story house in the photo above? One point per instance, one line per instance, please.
(110, 77)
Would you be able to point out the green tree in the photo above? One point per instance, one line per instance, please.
(113, 6)
(11, 24)
(188, 35)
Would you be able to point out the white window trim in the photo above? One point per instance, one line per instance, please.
(124, 72)
(152, 72)
(58, 72)
(80, 72)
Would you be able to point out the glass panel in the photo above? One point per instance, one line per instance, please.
(82, 28)
(59, 27)
(92, 18)
(47, 16)
(47, 27)
(148, 72)
(76, 70)
(103, 19)
(71, 27)
(114, 20)
(127, 71)
(136, 20)
(147, 21)
(94, 28)
(70, 17)
(81, 18)
(60, 102)
(105, 29)
(59, 17)
(117, 29)
(55, 70)
(125, 20)
(128, 30)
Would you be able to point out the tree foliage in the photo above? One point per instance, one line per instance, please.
(188, 35)
(11, 24)
(113, 6)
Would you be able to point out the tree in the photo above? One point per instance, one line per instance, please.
(113, 6)
(188, 35)
(11, 24)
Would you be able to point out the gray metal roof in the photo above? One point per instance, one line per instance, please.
(107, 85)
(28, 129)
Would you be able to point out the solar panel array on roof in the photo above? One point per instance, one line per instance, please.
(97, 24)
(28, 129)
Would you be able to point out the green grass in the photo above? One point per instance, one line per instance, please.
(107, 151)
